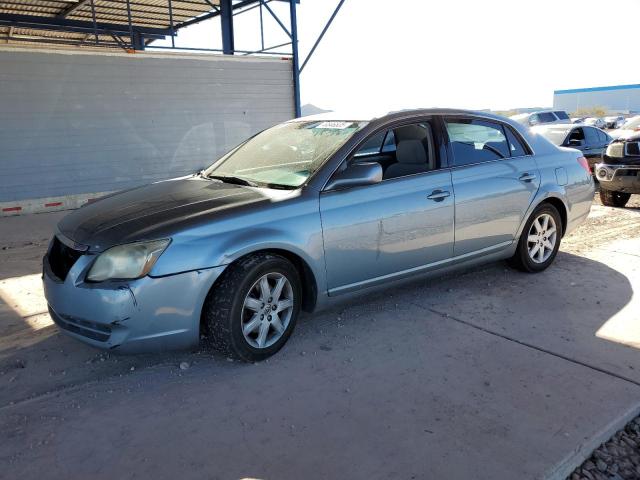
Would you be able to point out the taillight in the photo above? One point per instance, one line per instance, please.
(584, 164)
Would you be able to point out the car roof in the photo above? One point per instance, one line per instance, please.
(367, 116)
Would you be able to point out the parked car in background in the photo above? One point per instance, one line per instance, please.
(296, 218)
(591, 141)
(595, 122)
(578, 119)
(619, 171)
(614, 121)
(630, 127)
(542, 117)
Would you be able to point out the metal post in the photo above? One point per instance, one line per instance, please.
(173, 33)
(95, 25)
(226, 19)
(294, 51)
(261, 28)
(131, 39)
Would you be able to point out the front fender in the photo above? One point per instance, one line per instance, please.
(296, 229)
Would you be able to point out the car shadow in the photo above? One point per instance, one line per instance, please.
(560, 310)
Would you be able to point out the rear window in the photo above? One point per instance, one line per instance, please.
(562, 115)
(555, 136)
(546, 117)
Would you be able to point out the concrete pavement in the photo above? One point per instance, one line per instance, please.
(490, 374)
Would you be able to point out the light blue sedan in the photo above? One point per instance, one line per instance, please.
(306, 214)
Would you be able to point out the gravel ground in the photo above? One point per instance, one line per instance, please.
(617, 459)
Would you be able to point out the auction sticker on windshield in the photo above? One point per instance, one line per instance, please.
(334, 125)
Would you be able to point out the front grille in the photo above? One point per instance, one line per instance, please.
(62, 258)
(633, 149)
(79, 326)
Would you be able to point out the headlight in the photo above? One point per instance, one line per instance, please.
(126, 262)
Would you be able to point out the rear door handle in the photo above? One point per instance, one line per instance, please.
(527, 177)
(438, 195)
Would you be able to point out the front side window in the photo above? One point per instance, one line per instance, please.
(284, 156)
(405, 150)
(475, 141)
(577, 134)
(561, 115)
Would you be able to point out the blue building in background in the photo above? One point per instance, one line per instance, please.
(614, 99)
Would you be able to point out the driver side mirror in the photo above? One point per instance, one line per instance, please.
(356, 175)
(575, 143)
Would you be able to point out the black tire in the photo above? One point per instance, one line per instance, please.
(223, 307)
(521, 259)
(610, 198)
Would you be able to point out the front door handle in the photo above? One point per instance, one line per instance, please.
(527, 177)
(438, 195)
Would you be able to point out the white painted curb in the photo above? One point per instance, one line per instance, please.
(48, 204)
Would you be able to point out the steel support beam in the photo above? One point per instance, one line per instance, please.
(294, 51)
(66, 25)
(324, 30)
(226, 19)
(72, 8)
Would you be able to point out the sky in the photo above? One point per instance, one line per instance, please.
(497, 54)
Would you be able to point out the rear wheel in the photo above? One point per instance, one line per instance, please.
(614, 199)
(540, 240)
(251, 311)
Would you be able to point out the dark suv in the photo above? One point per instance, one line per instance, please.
(619, 172)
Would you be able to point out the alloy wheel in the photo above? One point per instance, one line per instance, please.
(267, 310)
(542, 238)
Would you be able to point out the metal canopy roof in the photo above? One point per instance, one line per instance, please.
(104, 23)
(133, 24)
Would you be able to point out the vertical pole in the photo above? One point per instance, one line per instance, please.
(294, 51)
(131, 39)
(226, 19)
(261, 27)
(173, 33)
(93, 17)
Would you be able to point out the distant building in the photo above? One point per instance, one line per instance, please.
(615, 99)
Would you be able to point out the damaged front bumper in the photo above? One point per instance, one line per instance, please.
(619, 178)
(147, 314)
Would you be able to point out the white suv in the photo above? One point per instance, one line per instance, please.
(542, 117)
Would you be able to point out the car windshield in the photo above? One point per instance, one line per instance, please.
(284, 156)
(555, 135)
(632, 123)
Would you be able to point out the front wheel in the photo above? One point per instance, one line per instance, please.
(539, 241)
(251, 311)
(610, 198)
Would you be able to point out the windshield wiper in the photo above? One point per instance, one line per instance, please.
(280, 186)
(232, 179)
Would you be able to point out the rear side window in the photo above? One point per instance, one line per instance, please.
(546, 117)
(562, 115)
(591, 135)
(474, 141)
(603, 137)
(515, 145)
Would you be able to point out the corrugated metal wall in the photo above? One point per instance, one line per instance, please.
(73, 123)
(621, 100)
